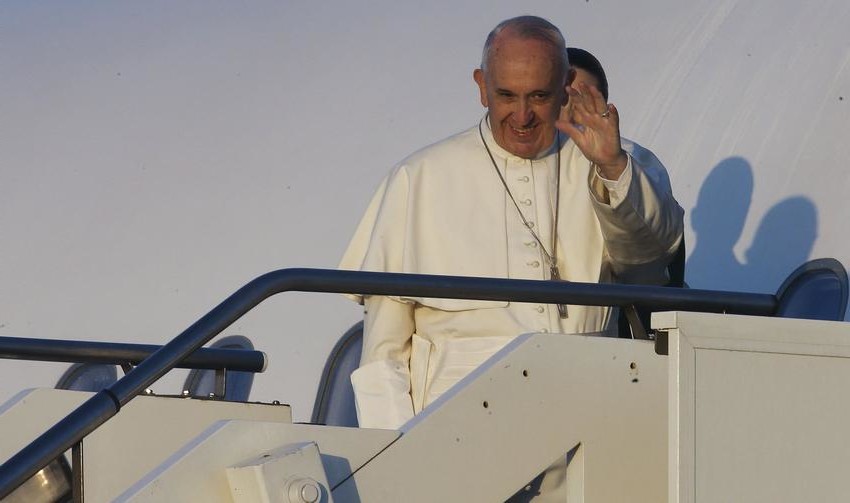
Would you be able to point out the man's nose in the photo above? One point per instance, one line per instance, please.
(523, 113)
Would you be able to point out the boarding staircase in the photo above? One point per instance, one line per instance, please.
(730, 397)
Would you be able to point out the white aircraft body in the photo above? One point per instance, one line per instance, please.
(156, 156)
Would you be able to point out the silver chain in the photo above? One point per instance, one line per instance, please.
(552, 258)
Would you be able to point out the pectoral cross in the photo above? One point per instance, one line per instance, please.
(556, 276)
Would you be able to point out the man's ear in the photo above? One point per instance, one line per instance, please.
(478, 76)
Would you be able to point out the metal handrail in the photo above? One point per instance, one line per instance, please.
(105, 404)
(60, 350)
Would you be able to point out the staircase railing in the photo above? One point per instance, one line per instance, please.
(105, 404)
(70, 351)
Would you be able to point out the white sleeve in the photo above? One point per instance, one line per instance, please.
(640, 220)
(382, 383)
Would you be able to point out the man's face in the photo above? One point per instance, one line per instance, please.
(523, 88)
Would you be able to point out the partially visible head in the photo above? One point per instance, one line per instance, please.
(588, 70)
(522, 81)
(722, 204)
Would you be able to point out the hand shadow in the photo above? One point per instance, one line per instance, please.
(782, 242)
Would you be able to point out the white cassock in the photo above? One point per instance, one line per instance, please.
(444, 210)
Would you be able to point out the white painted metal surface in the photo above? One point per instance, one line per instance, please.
(540, 397)
(289, 474)
(744, 408)
(531, 403)
(198, 470)
(140, 437)
(757, 408)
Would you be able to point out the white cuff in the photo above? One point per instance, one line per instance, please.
(617, 189)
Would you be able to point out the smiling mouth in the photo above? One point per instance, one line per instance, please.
(522, 131)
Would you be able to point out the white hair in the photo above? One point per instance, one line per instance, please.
(532, 27)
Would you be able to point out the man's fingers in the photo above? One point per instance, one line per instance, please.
(588, 104)
(595, 97)
(578, 100)
(613, 114)
(568, 128)
(579, 106)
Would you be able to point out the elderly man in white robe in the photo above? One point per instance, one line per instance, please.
(521, 195)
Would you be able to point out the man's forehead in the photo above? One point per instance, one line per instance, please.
(528, 58)
(514, 49)
(512, 45)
